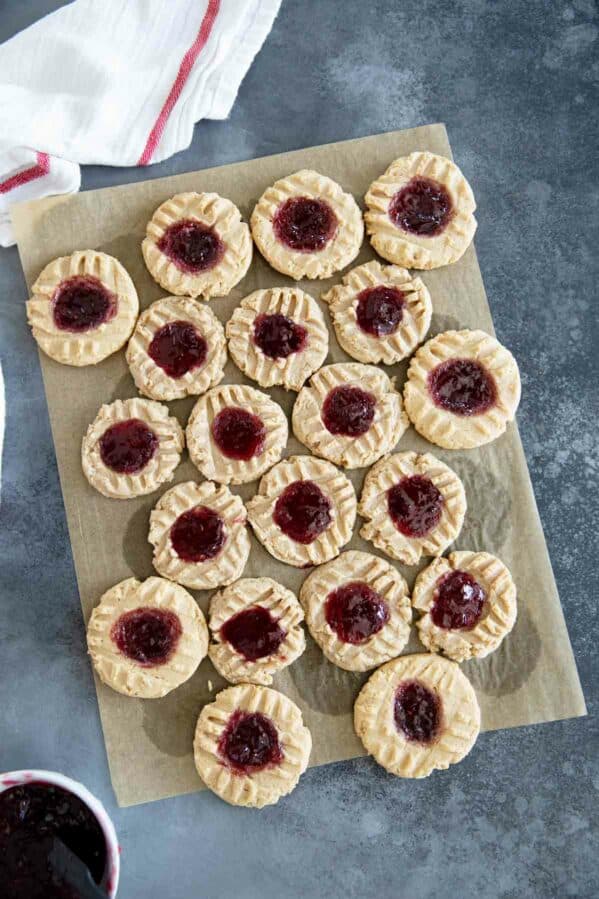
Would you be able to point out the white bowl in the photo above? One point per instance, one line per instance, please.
(110, 881)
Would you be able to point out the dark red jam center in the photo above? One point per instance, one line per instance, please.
(192, 246)
(128, 446)
(253, 633)
(238, 434)
(198, 535)
(422, 207)
(278, 336)
(458, 601)
(355, 612)
(462, 386)
(415, 506)
(250, 743)
(31, 816)
(305, 224)
(348, 411)
(302, 511)
(148, 636)
(417, 712)
(380, 310)
(82, 303)
(178, 348)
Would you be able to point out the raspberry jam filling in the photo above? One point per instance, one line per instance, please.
(305, 224)
(415, 506)
(192, 246)
(238, 434)
(462, 386)
(422, 207)
(82, 303)
(302, 511)
(198, 535)
(278, 336)
(178, 348)
(348, 411)
(31, 816)
(128, 446)
(146, 635)
(458, 601)
(417, 712)
(355, 612)
(250, 743)
(253, 633)
(380, 310)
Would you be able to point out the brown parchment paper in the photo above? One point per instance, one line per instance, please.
(531, 678)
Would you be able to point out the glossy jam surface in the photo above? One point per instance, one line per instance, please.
(306, 224)
(250, 743)
(254, 633)
(178, 348)
(355, 612)
(415, 506)
(348, 411)
(422, 207)
(31, 816)
(302, 511)
(198, 535)
(128, 446)
(458, 601)
(380, 310)
(278, 336)
(192, 246)
(238, 433)
(148, 636)
(417, 712)
(462, 386)
(82, 303)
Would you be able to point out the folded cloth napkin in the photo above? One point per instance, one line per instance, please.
(117, 82)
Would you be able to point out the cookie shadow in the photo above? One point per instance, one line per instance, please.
(509, 667)
(441, 323)
(124, 389)
(128, 247)
(487, 522)
(323, 686)
(170, 722)
(137, 552)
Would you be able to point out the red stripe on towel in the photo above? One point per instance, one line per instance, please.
(185, 68)
(41, 168)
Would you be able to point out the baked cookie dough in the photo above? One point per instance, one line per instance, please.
(256, 628)
(350, 414)
(421, 212)
(304, 511)
(463, 388)
(131, 448)
(357, 610)
(196, 245)
(251, 746)
(82, 308)
(278, 337)
(236, 433)
(380, 312)
(468, 601)
(306, 226)
(414, 506)
(178, 349)
(199, 535)
(145, 638)
(417, 714)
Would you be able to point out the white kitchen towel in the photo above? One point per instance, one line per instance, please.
(117, 82)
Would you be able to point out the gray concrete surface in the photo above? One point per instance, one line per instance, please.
(516, 83)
